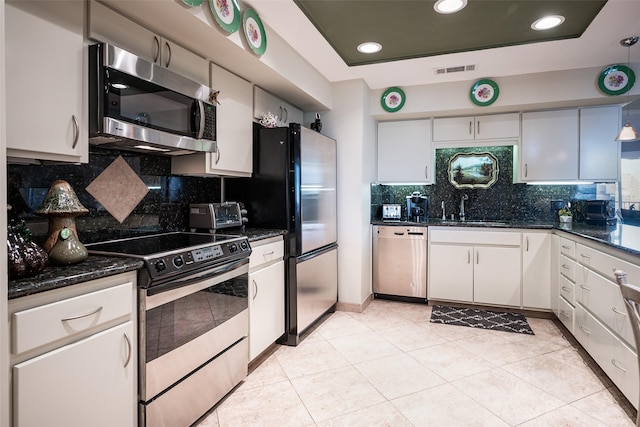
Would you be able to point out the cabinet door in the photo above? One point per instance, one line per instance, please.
(497, 126)
(89, 383)
(549, 146)
(234, 124)
(266, 307)
(450, 273)
(497, 275)
(405, 151)
(264, 102)
(184, 62)
(599, 152)
(453, 129)
(108, 26)
(45, 65)
(536, 270)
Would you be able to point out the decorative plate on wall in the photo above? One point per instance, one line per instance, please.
(392, 99)
(616, 79)
(473, 170)
(254, 32)
(484, 92)
(226, 12)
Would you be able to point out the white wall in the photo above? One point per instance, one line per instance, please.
(4, 333)
(350, 123)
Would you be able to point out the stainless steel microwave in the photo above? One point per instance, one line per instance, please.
(139, 106)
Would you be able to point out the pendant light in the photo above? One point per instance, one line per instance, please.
(628, 133)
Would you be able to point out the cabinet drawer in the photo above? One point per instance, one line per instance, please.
(603, 299)
(475, 237)
(567, 290)
(565, 313)
(568, 268)
(606, 264)
(568, 247)
(263, 254)
(615, 358)
(50, 322)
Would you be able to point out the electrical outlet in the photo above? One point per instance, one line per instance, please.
(556, 205)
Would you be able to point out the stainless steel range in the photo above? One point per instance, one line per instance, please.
(193, 321)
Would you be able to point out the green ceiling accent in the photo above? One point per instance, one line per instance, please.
(412, 29)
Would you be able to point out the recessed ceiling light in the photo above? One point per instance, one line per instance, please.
(369, 47)
(547, 22)
(449, 6)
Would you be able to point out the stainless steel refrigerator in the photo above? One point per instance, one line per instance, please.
(293, 188)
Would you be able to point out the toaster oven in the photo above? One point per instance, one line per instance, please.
(214, 216)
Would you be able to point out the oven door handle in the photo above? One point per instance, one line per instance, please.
(199, 277)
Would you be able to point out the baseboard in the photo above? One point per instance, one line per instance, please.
(354, 308)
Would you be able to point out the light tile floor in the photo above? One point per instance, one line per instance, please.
(389, 366)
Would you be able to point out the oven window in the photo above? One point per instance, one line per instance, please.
(177, 322)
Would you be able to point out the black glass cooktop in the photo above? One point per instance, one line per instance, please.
(157, 243)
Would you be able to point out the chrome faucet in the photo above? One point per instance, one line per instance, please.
(462, 199)
(444, 216)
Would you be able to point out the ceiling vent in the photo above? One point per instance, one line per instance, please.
(457, 69)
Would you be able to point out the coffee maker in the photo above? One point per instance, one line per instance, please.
(417, 207)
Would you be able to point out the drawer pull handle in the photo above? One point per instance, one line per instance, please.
(527, 242)
(267, 253)
(80, 316)
(566, 289)
(585, 256)
(615, 363)
(468, 257)
(398, 234)
(615, 310)
(584, 329)
(566, 267)
(565, 315)
(255, 287)
(126, 362)
(585, 288)
(566, 247)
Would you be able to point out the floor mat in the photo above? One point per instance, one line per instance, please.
(485, 319)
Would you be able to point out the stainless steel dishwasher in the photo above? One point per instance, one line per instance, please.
(400, 263)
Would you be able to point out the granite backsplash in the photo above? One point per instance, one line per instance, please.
(504, 200)
(164, 208)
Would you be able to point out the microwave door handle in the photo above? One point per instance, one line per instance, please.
(202, 119)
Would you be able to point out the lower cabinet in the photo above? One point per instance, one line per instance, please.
(74, 355)
(266, 295)
(87, 383)
(475, 266)
(536, 270)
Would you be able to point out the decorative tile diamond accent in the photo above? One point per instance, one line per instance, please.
(484, 319)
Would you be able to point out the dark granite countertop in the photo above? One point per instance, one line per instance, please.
(95, 267)
(621, 236)
(54, 277)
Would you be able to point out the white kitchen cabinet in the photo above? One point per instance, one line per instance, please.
(599, 152)
(234, 133)
(266, 295)
(45, 65)
(550, 146)
(476, 266)
(87, 383)
(478, 128)
(264, 102)
(405, 152)
(108, 26)
(536, 270)
(74, 355)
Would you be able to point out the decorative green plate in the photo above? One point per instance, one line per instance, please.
(392, 99)
(226, 12)
(254, 32)
(616, 79)
(192, 2)
(484, 92)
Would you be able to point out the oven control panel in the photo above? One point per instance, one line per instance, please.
(195, 258)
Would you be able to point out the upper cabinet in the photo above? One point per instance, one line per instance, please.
(45, 65)
(405, 153)
(599, 152)
(477, 128)
(108, 26)
(234, 137)
(572, 144)
(549, 146)
(264, 102)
